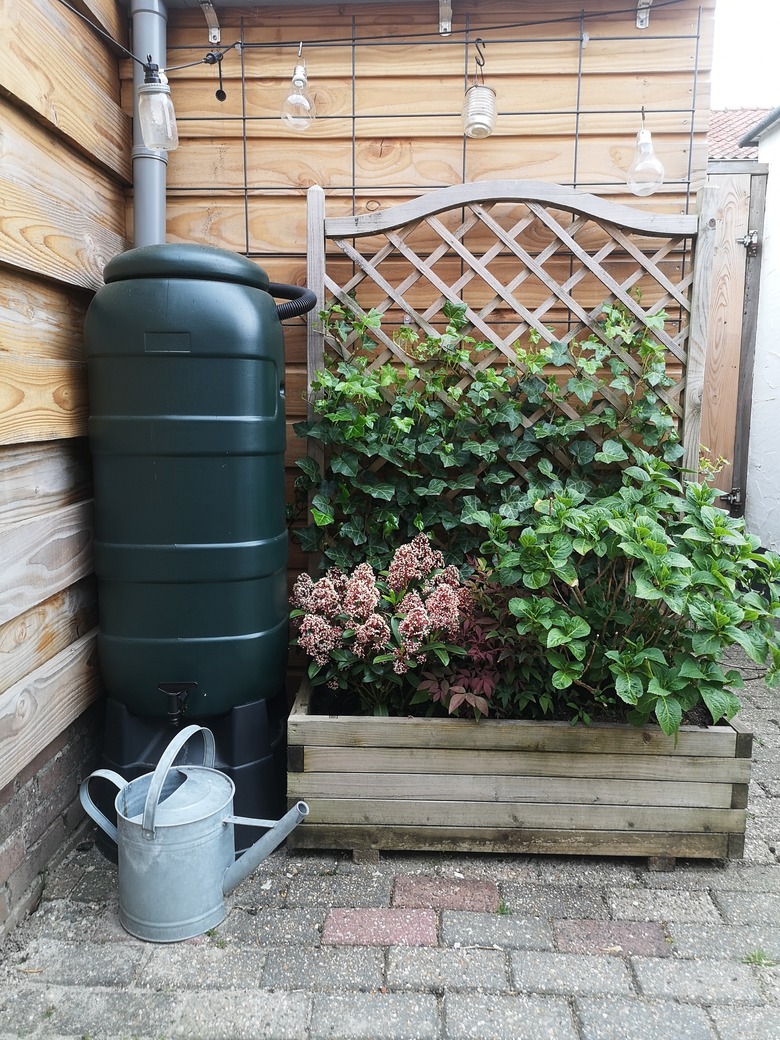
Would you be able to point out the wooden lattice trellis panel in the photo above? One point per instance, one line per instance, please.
(529, 259)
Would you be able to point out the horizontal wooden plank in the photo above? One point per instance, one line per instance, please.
(28, 641)
(61, 218)
(277, 223)
(39, 707)
(218, 165)
(41, 319)
(42, 399)
(43, 556)
(313, 835)
(73, 82)
(422, 96)
(39, 478)
(483, 787)
(521, 762)
(429, 813)
(352, 733)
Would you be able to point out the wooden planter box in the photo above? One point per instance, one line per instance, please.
(500, 786)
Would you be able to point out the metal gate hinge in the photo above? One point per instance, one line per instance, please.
(750, 242)
(733, 497)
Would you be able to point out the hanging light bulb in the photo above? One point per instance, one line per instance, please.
(646, 172)
(298, 111)
(479, 104)
(155, 110)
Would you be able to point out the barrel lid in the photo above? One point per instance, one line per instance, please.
(190, 793)
(185, 260)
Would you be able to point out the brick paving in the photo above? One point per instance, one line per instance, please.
(420, 947)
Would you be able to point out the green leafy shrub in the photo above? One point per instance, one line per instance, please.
(410, 448)
(600, 582)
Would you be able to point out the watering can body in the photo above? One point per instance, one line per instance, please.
(176, 846)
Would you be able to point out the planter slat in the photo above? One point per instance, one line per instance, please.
(500, 786)
(487, 788)
(525, 763)
(712, 741)
(516, 840)
(566, 816)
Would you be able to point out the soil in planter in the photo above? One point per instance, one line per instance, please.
(341, 702)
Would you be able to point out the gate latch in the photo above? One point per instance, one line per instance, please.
(750, 242)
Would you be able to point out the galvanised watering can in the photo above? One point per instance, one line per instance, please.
(175, 838)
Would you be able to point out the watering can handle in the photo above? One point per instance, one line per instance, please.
(89, 806)
(165, 763)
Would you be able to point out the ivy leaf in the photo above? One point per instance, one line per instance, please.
(611, 451)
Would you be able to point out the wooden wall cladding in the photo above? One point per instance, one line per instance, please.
(65, 173)
(389, 92)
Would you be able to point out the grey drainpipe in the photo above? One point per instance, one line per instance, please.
(149, 21)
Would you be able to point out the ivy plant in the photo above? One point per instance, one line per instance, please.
(415, 447)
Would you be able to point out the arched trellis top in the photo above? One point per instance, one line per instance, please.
(530, 259)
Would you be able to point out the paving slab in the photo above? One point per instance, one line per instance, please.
(206, 966)
(747, 1023)
(619, 1019)
(445, 893)
(478, 1017)
(612, 937)
(367, 1016)
(334, 968)
(564, 901)
(697, 982)
(663, 905)
(391, 927)
(242, 1015)
(505, 931)
(569, 974)
(437, 971)
(734, 942)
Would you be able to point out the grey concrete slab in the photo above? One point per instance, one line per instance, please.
(23, 1009)
(335, 890)
(505, 931)
(186, 966)
(111, 1013)
(477, 1017)
(758, 908)
(734, 942)
(558, 901)
(243, 1015)
(52, 961)
(367, 1016)
(697, 982)
(747, 1023)
(437, 971)
(329, 968)
(569, 974)
(619, 1019)
(663, 905)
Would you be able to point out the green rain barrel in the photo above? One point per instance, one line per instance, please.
(187, 434)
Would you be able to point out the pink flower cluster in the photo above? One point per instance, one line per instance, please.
(341, 612)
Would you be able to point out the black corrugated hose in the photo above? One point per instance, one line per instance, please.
(300, 300)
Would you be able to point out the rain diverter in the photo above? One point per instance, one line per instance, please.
(175, 838)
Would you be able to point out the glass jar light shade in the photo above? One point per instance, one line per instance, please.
(646, 172)
(479, 111)
(298, 112)
(157, 117)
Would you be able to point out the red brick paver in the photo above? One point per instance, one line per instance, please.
(445, 893)
(368, 927)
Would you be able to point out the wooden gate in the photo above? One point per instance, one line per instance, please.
(534, 262)
(728, 383)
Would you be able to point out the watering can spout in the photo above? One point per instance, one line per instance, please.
(263, 847)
